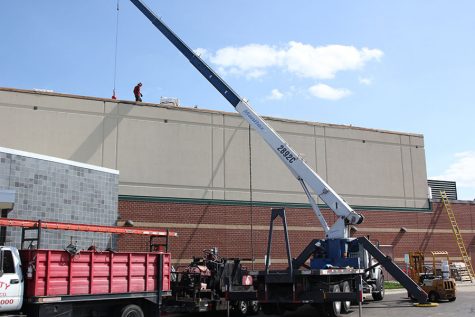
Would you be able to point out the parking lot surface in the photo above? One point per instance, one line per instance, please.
(396, 304)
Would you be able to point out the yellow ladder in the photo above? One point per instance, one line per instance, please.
(458, 236)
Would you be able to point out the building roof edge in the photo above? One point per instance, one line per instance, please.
(192, 109)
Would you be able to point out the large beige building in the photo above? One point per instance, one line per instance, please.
(168, 151)
(207, 176)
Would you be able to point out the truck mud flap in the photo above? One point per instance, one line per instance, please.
(53, 310)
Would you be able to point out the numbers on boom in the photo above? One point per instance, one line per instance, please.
(286, 153)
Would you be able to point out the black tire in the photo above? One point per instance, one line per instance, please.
(346, 305)
(379, 294)
(452, 299)
(333, 309)
(241, 308)
(131, 311)
(434, 296)
(253, 307)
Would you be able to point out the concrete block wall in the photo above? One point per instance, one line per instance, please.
(57, 190)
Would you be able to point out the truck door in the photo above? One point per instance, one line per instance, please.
(11, 280)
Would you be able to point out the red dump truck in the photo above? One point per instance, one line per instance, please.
(39, 282)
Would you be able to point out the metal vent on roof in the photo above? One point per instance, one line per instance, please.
(170, 101)
(436, 186)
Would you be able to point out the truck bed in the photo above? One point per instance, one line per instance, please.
(57, 273)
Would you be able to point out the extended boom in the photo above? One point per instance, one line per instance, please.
(304, 174)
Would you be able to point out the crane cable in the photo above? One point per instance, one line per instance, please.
(251, 201)
(115, 52)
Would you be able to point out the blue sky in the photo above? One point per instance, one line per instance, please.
(394, 65)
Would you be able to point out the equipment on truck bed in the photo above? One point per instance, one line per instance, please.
(332, 276)
(211, 283)
(54, 225)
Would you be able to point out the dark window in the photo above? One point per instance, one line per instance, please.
(8, 266)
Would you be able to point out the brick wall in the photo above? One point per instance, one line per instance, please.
(203, 226)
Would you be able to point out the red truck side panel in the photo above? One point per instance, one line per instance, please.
(57, 273)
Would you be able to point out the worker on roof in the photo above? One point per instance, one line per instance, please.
(138, 95)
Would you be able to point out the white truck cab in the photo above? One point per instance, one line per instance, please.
(11, 280)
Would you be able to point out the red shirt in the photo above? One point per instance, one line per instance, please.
(137, 90)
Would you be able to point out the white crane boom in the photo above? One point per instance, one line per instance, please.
(294, 162)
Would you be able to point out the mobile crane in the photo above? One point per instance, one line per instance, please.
(333, 277)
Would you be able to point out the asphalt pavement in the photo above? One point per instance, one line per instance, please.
(397, 304)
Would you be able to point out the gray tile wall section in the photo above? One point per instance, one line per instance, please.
(54, 191)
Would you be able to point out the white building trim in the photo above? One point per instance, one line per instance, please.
(58, 160)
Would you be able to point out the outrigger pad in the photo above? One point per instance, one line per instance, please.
(427, 305)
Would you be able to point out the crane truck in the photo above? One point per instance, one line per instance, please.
(333, 279)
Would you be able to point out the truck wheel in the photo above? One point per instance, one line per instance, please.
(131, 311)
(333, 309)
(253, 307)
(379, 294)
(434, 296)
(345, 288)
(241, 308)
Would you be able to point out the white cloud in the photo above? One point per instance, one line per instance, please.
(326, 92)
(365, 81)
(316, 62)
(250, 60)
(255, 73)
(462, 170)
(325, 61)
(275, 95)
